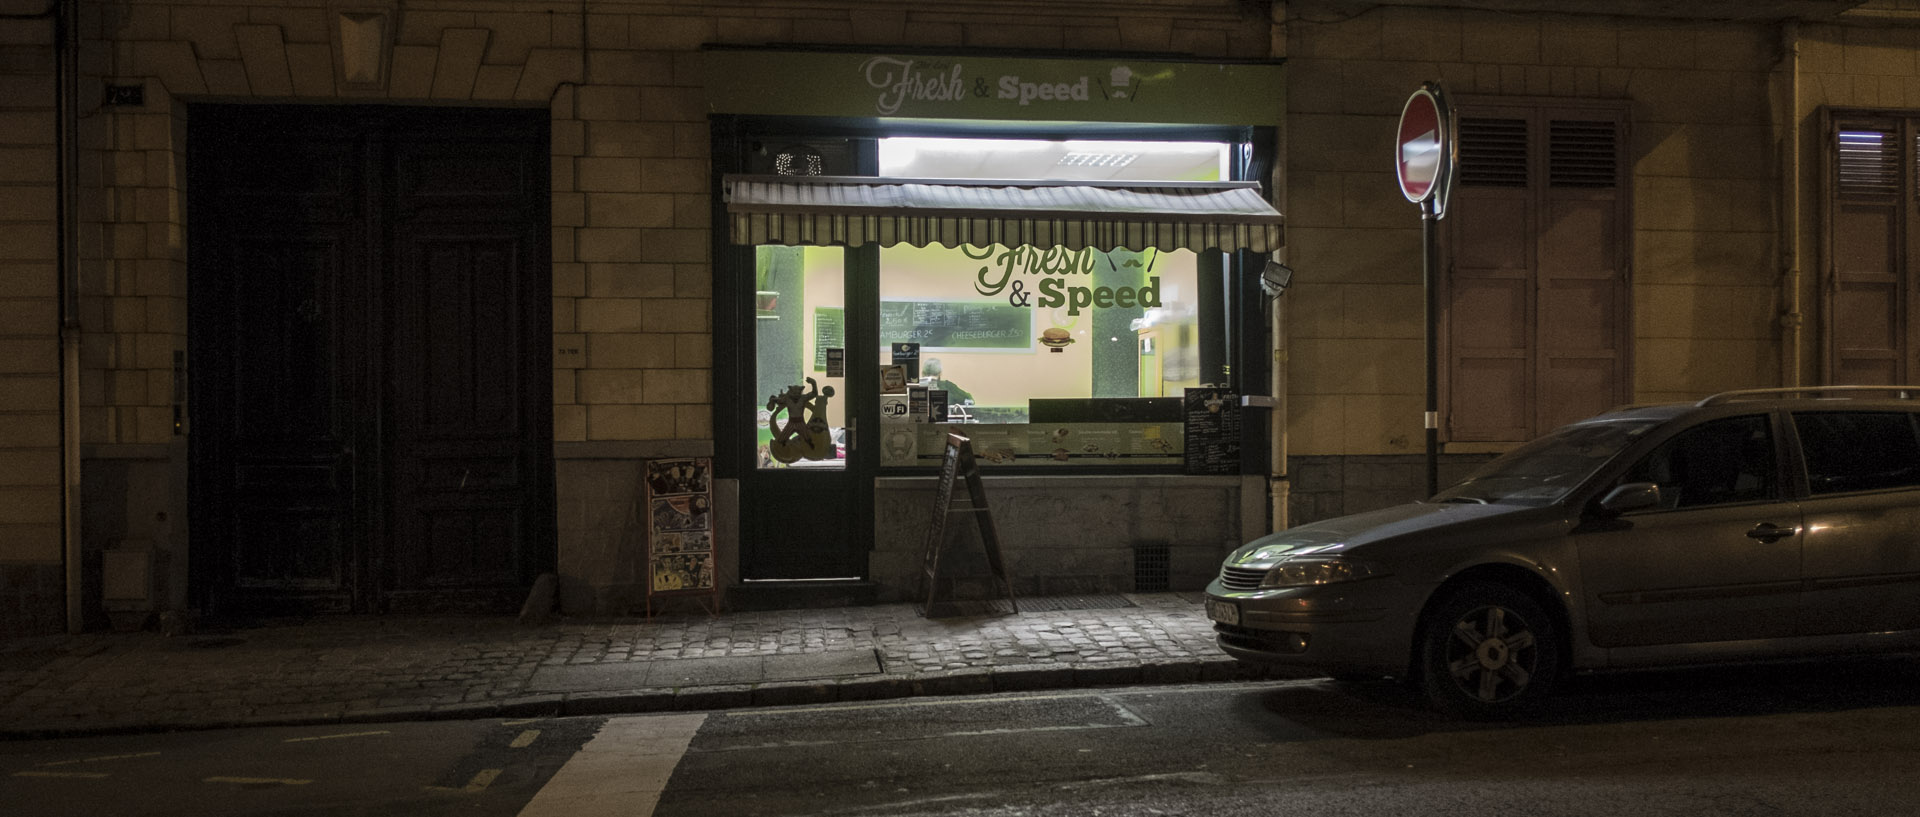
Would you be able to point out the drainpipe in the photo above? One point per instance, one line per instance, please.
(1279, 483)
(66, 76)
(1787, 137)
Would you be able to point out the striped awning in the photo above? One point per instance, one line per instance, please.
(850, 211)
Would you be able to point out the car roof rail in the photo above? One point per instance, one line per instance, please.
(1898, 392)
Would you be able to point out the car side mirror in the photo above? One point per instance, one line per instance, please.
(1632, 496)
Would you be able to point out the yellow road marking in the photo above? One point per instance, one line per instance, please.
(254, 780)
(525, 739)
(478, 784)
(342, 735)
(481, 781)
(97, 759)
(83, 775)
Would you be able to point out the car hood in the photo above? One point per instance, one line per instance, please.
(1349, 532)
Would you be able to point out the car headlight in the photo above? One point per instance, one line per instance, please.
(1309, 572)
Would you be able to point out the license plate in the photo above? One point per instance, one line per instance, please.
(1225, 612)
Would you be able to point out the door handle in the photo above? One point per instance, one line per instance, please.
(1769, 533)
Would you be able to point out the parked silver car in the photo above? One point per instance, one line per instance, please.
(1759, 524)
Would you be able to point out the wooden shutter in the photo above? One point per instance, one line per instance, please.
(1582, 270)
(1489, 295)
(1535, 299)
(1867, 321)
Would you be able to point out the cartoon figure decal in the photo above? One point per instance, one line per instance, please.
(804, 434)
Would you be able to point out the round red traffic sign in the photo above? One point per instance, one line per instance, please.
(1420, 149)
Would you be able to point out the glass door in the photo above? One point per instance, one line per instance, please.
(806, 505)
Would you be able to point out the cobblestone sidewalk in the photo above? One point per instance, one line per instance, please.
(364, 669)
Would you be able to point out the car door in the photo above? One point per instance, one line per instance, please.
(1717, 560)
(1863, 520)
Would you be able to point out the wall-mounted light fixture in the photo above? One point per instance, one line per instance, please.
(1275, 278)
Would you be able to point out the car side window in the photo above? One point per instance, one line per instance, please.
(1858, 450)
(1715, 463)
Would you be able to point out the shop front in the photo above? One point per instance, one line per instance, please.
(1058, 258)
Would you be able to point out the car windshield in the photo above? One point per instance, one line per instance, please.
(1543, 471)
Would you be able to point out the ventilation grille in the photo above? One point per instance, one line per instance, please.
(1152, 569)
(1493, 152)
(1869, 163)
(1582, 154)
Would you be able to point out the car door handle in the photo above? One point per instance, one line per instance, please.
(1769, 533)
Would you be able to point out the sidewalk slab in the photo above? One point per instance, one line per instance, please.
(366, 669)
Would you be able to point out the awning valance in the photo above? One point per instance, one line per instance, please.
(849, 211)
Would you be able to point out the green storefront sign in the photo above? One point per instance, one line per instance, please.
(1117, 89)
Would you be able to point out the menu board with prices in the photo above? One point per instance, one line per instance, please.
(1212, 431)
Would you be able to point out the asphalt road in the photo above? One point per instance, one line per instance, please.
(1831, 739)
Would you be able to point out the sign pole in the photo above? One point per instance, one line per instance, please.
(1429, 255)
(1425, 161)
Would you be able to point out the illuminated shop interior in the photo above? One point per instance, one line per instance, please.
(1025, 341)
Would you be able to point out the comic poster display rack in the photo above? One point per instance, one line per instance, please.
(959, 464)
(681, 555)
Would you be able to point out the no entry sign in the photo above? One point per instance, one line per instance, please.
(1423, 150)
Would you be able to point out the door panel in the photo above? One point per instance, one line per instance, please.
(1863, 563)
(1863, 520)
(370, 312)
(808, 517)
(1719, 561)
(1688, 576)
(462, 473)
(274, 443)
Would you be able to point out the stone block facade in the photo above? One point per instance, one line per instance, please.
(1712, 106)
(1706, 262)
(1068, 537)
(31, 476)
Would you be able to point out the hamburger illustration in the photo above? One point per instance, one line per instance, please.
(1055, 337)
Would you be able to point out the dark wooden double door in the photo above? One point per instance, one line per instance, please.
(371, 388)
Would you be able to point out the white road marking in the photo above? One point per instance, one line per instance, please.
(909, 704)
(244, 781)
(97, 759)
(336, 737)
(80, 775)
(525, 739)
(622, 770)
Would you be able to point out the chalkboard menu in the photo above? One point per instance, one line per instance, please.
(956, 324)
(829, 332)
(1212, 431)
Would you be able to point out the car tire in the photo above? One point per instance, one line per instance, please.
(1487, 651)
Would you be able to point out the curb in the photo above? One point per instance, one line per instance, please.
(943, 683)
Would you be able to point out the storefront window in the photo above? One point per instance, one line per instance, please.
(1047, 356)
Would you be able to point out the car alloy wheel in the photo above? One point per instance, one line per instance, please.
(1487, 649)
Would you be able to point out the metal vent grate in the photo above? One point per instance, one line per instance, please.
(1582, 154)
(1493, 152)
(1869, 163)
(1152, 569)
(1044, 604)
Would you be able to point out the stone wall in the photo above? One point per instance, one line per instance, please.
(31, 572)
(1704, 186)
(1324, 487)
(1068, 536)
